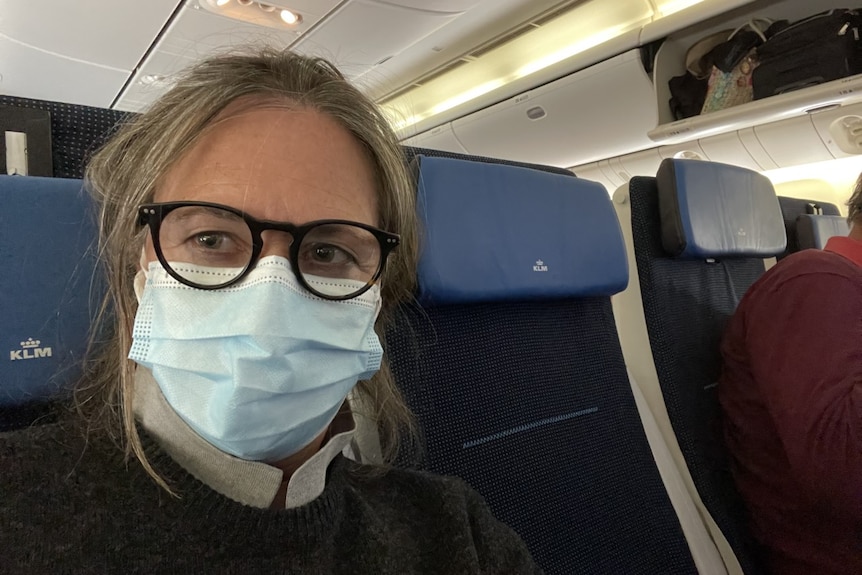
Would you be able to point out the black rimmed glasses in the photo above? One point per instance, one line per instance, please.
(211, 246)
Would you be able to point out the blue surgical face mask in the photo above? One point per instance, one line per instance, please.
(258, 369)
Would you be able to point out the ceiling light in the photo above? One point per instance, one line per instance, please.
(151, 79)
(254, 13)
(289, 17)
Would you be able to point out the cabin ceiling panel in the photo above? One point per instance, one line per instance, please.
(31, 73)
(354, 39)
(434, 5)
(106, 33)
(196, 33)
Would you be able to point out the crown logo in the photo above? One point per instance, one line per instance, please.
(540, 263)
(30, 343)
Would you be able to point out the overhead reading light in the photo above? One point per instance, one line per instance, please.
(587, 25)
(155, 81)
(256, 13)
(290, 17)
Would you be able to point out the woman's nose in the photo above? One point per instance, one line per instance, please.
(276, 243)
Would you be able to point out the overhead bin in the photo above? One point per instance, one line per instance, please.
(599, 112)
(825, 96)
(605, 118)
(802, 140)
(670, 62)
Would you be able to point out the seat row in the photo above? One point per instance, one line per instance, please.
(561, 355)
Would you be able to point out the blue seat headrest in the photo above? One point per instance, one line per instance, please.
(48, 290)
(815, 230)
(496, 232)
(710, 210)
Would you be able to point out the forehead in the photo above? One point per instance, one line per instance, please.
(278, 163)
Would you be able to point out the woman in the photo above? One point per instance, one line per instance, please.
(258, 228)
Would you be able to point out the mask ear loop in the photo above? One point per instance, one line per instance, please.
(141, 277)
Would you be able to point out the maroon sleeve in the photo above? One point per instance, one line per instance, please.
(805, 342)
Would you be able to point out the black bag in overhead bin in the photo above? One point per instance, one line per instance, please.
(815, 50)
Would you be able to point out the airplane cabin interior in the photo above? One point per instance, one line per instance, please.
(563, 115)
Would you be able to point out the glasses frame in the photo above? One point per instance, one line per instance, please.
(152, 215)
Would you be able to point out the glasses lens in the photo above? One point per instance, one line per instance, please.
(205, 245)
(338, 259)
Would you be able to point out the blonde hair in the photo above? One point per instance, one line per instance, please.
(126, 171)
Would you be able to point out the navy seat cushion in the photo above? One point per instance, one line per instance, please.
(500, 232)
(711, 210)
(791, 209)
(687, 304)
(49, 292)
(814, 231)
(530, 403)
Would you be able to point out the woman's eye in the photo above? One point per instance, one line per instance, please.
(326, 254)
(210, 240)
(330, 254)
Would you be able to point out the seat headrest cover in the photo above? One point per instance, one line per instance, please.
(48, 290)
(815, 230)
(494, 232)
(710, 210)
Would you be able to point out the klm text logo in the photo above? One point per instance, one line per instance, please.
(540, 266)
(30, 350)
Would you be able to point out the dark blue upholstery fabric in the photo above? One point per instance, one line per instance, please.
(530, 404)
(76, 131)
(540, 235)
(687, 305)
(712, 210)
(815, 230)
(791, 209)
(48, 290)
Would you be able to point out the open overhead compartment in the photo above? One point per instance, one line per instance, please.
(670, 62)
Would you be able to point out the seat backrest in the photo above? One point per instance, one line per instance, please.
(513, 367)
(48, 291)
(791, 209)
(813, 231)
(701, 232)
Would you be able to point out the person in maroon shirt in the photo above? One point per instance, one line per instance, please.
(791, 392)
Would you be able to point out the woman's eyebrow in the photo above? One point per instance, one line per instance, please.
(194, 211)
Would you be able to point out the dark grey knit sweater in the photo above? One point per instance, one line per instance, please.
(67, 509)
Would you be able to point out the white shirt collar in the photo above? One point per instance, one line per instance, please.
(252, 483)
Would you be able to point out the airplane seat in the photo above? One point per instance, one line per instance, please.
(49, 293)
(791, 209)
(813, 231)
(511, 362)
(700, 233)
(410, 152)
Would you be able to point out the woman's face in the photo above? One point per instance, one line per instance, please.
(286, 165)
